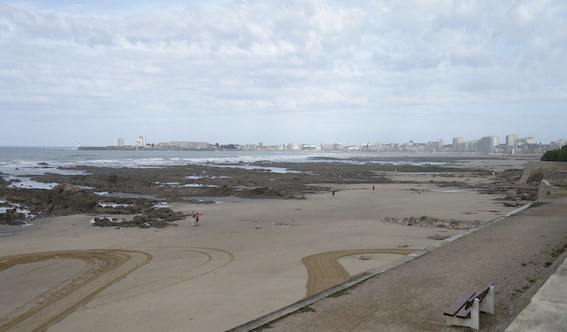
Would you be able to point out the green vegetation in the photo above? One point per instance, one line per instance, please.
(555, 155)
(307, 309)
(536, 204)
(558, 251)
(339, 293)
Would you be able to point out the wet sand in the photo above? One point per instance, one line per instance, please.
(244, 259)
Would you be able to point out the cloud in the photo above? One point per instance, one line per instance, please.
(240, 59)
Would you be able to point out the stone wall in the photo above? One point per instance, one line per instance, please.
(551, 175)
(553, 171)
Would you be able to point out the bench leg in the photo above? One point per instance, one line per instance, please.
(473, 321)
(487, 304)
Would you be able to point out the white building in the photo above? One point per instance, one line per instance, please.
(511, 140)
(119, 141)
(459, 144)
(530, 140)
(141, 141)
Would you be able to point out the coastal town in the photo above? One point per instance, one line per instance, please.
(512, 145)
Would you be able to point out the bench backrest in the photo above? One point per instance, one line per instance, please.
(459, 303)
(482, 293)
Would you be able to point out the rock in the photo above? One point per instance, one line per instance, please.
(425, 221)
(65, 187)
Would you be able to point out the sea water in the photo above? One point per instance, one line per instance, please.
(18, 162)
(33, 158)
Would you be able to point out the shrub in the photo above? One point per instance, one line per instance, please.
(555, 155)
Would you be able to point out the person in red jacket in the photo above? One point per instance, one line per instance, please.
(197, 219)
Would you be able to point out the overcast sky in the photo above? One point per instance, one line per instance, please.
(310, 71)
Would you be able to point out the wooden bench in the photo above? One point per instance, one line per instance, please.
(465, 311)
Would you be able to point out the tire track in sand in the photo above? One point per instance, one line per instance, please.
(324, 270)
(103, 268)
(216, 260)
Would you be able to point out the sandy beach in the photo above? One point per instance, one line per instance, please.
(245, 259)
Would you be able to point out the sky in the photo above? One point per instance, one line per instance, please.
(311, 71)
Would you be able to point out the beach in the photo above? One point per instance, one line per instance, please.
(244, 260)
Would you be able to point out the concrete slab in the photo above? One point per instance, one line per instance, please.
(547, 310)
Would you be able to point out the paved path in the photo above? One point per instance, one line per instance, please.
(518, 254)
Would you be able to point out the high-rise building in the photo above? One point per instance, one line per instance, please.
(530, 140)
(511, 140)
(119, 141)
(488, 144)
(141, 141)
(458, 144)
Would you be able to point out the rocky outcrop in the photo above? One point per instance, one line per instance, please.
(426, 221)
(65, 187)
(152, 217)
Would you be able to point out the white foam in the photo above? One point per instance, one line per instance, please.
(27, 183)
(19, 209)
(112, 205)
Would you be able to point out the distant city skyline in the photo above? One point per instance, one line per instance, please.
(314, 71)
(141, 140)
(513, 144)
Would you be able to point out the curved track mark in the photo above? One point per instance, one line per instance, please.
(213, 263)
(324, 270)
(103, 268)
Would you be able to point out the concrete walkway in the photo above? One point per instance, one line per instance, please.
(547, 311)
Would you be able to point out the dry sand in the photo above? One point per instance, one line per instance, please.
(244, 259)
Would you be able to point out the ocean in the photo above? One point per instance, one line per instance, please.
(19, 162)
(29, 158)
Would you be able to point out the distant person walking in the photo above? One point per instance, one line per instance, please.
(197, 219)
(372, 187)
(193, 219)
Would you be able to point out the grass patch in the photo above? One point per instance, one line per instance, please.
(536, 204)
(548, 264)
(307, 309)
(524, 264)
(340, 293)
(263, 327)
(561, 195)
(557, 252)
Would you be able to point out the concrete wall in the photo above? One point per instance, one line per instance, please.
(553, 171)
(552, 175)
